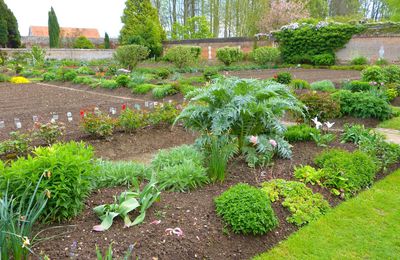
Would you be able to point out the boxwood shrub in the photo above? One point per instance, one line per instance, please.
(246, 209)
(320, 105)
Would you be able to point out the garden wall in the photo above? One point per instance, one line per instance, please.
(74, 54)
(369, 47)
(209, 46)
(29, 41)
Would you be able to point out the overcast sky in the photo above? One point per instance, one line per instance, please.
(104, 15)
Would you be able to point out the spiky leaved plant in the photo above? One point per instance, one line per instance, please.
(248, 110)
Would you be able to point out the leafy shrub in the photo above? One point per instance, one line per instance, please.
(130, 55)
(210, 73)
(310, 40)
(229, 55)
(299, 133)
(49, 132)
(163, 91)
(67, 170)
(324, 85)
(381, 62)
(122, 80)
(266, 55)
(284, 78)
(373, 74)
(18, 144)
(391, 93)
(49, 76)
(4, 77)
(185, 89)
(130, 120)
(137, 79)
(244, 109)
(143, 88)
(326, 59)
(320, 105)
(98, 124)
(165, 114)
(360, 60)
(85, 70)
(112, 174)
(108, 83)
(180, 56)
(163, 73)
(70, 75)
(180, 168)
(246, 210)
(392, 74)
(303, 204)
(357, 86)
(355, 133)
(308, 174)
(362, 105)
(345, 172)
(300, 84)
(83, 43)
(83, 80)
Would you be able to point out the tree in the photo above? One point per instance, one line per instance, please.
(54, 30)
(281, 13)
(106, 41)
(83, 43)
(142, 26)
(196, 28)
(3, 33)
(13, 36)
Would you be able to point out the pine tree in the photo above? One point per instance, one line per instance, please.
(142, 26)
(3, 33)
(13, 36)
(54, 30)
(106, 41)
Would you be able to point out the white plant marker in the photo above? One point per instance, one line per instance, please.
(2, 125)
(17, 123)
(113, 110)
(146, 104)
(35, 119)
(55, 117)
(209, 53)
(69, 117)
(137, 106)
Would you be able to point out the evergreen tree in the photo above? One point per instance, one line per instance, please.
(54, 30)
(142, 26)
(13, 36)
(106, 41)
(3, 33)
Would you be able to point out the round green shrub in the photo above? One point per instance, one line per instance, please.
(357, 86)
(373, 74)
(266, 55)
(108, 83)
(323, 85)
(284, 78)
(130, 120)
(229, 55)
(392, 74)
(210, 73)
(122, 80)
(143, 88)
(83, 43)
(163, 73)
(49, 76)
(326, 59)
(70, 75)
(360, 60)
(130, 55)
(320, 105)
(381, 62)
(247, 210)
(300, 84)
(298, 133)
(67, 168)
(180, 56)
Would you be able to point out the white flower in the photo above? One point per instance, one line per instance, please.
(253, 140)
(317, 123)
(329, 124)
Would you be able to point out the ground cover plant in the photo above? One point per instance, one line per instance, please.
(303, 204)
(246, 210)
(351, 228)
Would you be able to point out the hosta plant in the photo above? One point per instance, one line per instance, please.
(248, 111)
(127, 202)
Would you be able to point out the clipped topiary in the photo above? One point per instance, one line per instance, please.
(246, 209)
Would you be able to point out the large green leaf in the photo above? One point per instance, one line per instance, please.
(107, 222)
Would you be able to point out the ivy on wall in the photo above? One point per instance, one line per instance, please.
(299, 43)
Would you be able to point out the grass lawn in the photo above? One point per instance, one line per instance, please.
(393, 123)
(365, 227)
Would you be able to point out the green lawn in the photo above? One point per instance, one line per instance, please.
(365, 227)
(393, 123)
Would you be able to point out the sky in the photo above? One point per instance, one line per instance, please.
(104, 15)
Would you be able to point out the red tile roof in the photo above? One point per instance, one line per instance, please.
(43, 31)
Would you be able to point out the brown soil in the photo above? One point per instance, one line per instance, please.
(205, 235)
(396, 102)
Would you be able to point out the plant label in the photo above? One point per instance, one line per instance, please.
(113, 110)
(35, 119)
(69, 117)
(146, 104)
(2, 125)
(170, 101)
(17, 123)
(55, 116)
(137, 106)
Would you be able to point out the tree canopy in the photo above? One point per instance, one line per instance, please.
(54, 29)
(9, 33)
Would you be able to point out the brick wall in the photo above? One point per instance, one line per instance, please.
(369, 46)
(29, 41)
(71, 54)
